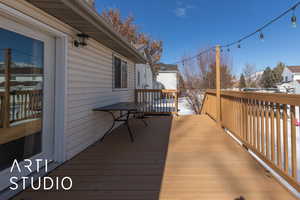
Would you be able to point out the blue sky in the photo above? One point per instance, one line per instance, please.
(187, 26)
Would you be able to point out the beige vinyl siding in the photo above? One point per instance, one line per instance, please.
(89, 84)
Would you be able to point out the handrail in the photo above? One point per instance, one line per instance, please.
(282, 98)
(156, 101)
(265, 123)
(23, 105)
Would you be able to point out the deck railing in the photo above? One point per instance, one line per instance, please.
(22, 105)
(154, 101)
(265, 123)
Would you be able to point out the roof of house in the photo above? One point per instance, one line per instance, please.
(83, 17)
(167, 67)
(294, 69)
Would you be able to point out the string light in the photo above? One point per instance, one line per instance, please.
(261, 35)
(294, 19)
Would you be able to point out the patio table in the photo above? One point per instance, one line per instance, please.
(127, 107)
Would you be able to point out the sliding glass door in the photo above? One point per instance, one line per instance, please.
(27, 65)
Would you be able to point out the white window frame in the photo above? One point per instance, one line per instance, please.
(61, 52)
(123, 61)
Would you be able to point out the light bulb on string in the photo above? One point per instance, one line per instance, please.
(239, 45)
(294, 19)
(261, 36)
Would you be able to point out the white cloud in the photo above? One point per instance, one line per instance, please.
(180, 12)
(181, 9)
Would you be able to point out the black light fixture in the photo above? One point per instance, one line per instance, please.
(294, 18)
(81, 42)
(239, 45)
(261, 36)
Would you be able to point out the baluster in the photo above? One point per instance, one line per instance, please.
(267, 131)
(262, 125)
(258, 126)
(278, 136)
(285, 139)
(293, 141)
(272, 133)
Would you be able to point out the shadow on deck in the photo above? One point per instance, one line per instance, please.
(184, 158)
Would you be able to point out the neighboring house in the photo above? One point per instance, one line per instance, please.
(167, 76)
(143, 72)
(290, 80)
(79, 74)
(291, 73)
(297, 86)
(144, 76)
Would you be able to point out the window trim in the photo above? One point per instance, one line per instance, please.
(114, 56)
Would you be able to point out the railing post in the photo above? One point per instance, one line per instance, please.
(218, 84)
(7, 65)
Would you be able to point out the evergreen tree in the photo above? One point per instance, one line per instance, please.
(277, 72)
(267, 79)
(242, 81)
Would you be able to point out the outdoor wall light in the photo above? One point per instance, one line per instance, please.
(81, 41)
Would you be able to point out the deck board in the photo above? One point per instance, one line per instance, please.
(185, 158)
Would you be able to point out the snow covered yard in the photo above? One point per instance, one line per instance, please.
(184, 107)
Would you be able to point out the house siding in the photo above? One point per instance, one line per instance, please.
(167, 80)
(146, 78)
(89, 84)
(290, 75)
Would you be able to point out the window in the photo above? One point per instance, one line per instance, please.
(120, 73)
(139, 78)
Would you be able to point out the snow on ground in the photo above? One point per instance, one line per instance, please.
(184, 107)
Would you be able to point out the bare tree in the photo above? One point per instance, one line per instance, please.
(252, 79)
(152, 48)
(192, 83)
(201, 74)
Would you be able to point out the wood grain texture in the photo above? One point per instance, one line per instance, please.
(205, 163)
(184, 158)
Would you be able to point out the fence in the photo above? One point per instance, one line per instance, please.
(265, 123)
(157, 101)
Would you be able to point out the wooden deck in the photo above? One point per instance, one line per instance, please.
(185, 158)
